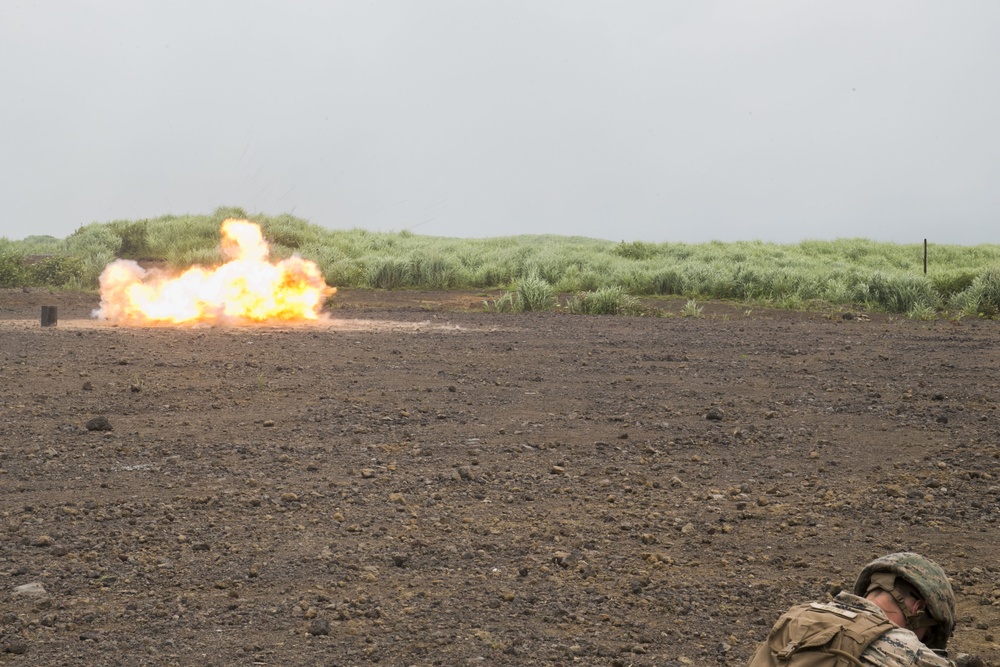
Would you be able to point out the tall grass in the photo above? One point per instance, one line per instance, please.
(880, 276)
(612, 300)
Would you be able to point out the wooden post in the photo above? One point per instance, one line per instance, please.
(49, 316)
(925, 257)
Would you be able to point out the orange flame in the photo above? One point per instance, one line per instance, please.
(246, 289)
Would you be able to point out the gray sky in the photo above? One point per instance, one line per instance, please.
(654, 120)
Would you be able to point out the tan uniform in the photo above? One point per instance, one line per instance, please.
(898, 647)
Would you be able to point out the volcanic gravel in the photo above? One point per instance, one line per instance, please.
(417, 483)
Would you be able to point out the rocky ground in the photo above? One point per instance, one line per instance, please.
(417, 483)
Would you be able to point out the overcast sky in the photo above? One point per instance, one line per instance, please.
(654, 120)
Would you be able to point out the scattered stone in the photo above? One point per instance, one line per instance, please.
(268, 423)
(15, 646)
(99, 423)
(367, 473)
(34, 589)
(715, 414)
(43, 541)
(966, 660)
(566, 559)
(88, 386)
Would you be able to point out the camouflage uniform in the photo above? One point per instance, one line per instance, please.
(897, 648)
(801, 637)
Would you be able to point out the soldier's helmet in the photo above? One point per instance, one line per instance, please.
(927, 577)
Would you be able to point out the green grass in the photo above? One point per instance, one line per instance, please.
(612, 300)
(878, 276)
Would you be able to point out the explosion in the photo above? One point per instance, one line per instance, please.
(246, 289)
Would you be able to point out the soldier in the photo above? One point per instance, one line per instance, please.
(901, 614)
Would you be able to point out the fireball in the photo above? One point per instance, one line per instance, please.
(246, 289)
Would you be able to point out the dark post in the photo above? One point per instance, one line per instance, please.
(49, 316)
(925, 257)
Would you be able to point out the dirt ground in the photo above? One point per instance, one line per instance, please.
(418, 482)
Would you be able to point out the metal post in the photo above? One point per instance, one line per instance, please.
(925, 257)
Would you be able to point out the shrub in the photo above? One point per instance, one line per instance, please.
(636, 250)
(898, 293)
(952, 282)
(988, 285)
(504, 304)
(668, 281)
(692, 309)
(134, 238)
(605, 301)
(57, 271)
(982, 297)
(534, 293)
(922, 313)
(12, 269)
(388, 273)
(435, 272)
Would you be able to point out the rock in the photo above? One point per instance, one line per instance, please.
(15, 646)
(966, 660)
(320, 627)
(34, 589)
(715, 414)
(566, 559)
(99, 423)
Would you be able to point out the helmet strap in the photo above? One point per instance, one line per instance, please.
(886, 581)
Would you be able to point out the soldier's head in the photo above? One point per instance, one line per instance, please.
(919, 588)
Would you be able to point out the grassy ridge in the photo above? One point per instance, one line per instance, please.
(879, 276)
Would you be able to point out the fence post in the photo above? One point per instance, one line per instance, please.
(925, 257)
(49, 316)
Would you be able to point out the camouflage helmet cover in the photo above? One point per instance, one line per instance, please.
(927, 577)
